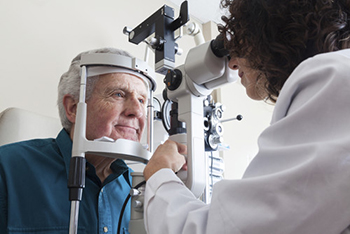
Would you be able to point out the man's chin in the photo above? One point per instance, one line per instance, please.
(130, 138)
(127, 137)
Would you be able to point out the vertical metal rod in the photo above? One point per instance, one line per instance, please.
(150, 122)
(83, 84)
(147, 53)
(74, 213)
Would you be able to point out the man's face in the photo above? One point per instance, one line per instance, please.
(117, 107)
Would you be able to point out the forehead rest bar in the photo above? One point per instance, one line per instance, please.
(116, 60)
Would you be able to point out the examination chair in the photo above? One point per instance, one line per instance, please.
(18, 125)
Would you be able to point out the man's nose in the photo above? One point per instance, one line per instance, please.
(134, 107)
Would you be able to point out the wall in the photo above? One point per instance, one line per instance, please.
(39, 38)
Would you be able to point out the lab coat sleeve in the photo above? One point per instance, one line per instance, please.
(169, 216)
(299, 180)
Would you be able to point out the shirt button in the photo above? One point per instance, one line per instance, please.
(105, 229)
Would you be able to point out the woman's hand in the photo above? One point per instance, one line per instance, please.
(168, 155)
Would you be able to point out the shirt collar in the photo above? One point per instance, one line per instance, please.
(65, 145)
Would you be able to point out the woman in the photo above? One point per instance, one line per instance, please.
(295, 53)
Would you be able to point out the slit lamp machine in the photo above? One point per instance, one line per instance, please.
(189, 114)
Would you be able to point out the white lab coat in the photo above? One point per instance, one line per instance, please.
(298, 183)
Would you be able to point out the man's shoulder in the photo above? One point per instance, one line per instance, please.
(25, 148)
(32, 143)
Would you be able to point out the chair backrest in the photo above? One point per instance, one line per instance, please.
(17, 125)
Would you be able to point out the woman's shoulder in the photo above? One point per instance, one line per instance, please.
(337, 61)
(319, 70)
(319, 78)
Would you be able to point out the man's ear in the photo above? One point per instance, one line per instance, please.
(70, 105)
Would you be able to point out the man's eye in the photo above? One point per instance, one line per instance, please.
(118, 94)
(142, 101)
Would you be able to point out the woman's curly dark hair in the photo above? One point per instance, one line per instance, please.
(275, 36)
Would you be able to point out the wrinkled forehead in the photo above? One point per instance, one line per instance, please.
(104, 70)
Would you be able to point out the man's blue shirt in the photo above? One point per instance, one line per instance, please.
(34, 194)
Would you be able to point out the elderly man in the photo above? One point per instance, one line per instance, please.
(33, 174)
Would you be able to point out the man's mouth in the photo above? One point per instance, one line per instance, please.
(127, 132)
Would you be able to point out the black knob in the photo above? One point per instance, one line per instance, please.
(165, 95)
(173, 79)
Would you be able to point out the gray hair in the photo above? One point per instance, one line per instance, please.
(70, 82)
